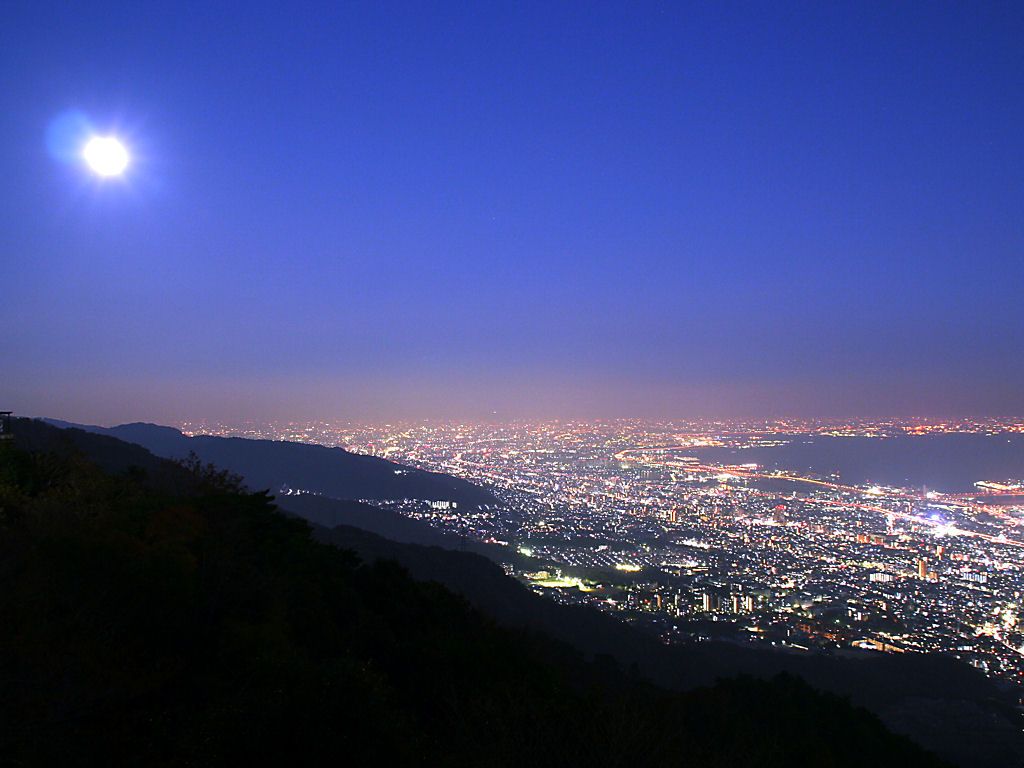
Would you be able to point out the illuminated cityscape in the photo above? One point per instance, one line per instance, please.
(653, 522)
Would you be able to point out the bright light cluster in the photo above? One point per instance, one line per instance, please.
(106, 156)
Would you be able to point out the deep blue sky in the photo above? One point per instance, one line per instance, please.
(583, 209)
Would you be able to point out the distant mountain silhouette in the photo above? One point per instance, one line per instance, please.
(109, 453)
(271, 464)
(327, 512)
(157, 614)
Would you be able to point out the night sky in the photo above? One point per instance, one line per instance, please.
(526, 210)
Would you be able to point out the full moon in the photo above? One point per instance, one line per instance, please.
(105, 155)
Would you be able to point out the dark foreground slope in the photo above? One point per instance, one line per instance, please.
(272, 464)
(155, 615)
(943, 704)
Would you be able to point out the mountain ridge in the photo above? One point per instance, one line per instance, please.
(272, 464)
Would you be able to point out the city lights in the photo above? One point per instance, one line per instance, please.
(643, 520)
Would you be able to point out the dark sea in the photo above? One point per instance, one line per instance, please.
(948, 463)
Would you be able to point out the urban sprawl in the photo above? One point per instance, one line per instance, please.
(629, 517)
